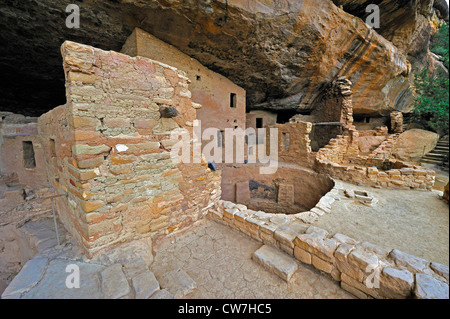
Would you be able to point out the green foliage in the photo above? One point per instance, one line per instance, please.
(432, 101)
(439, 44)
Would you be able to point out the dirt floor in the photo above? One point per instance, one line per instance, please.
(218, 259)
(416, 222)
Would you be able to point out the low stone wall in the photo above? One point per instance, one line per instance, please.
(384, 150)
(290, 190)
(340, 159)
(363, 269)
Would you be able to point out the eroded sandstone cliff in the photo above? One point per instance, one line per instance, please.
(283, 52)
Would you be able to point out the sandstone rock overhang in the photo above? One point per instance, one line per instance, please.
(273, 49)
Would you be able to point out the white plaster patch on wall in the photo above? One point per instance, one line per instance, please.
(121, 148)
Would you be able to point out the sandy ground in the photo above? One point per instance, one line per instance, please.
(416, 222)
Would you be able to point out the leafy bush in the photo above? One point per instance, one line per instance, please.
(432, 101)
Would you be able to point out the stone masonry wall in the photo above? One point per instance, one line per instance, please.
(363, 269)
(335, 105)
(14, 130)
(297, 189)
(108, 150)
(341, 159)
(294, 143)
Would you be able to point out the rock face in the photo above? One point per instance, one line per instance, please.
(413, 144)
(283, 51)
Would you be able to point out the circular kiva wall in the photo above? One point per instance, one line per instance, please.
(288, 191)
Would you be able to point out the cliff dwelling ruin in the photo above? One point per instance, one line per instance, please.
(94, 182)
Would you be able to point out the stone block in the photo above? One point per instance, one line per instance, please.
(90, 206)
(116, 122)
(441, 270)
(396, 283)
(302, 255)
(27, 278)
(317, 244)
(360, 286)
(428, 287)
(83, 149)
(145, 285)
(307, 217)
(276, 261)
(91, 162)
(162, 294)
(178, 283)
(286, 233)
(321, 264)
(85, 122)
(114, 282)
(410, 262)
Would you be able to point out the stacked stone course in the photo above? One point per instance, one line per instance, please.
(341, 159)
(363, 269)
(112, 155)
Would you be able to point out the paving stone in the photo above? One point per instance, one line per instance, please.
(53, 284)
(178, 283)
(145, 285)
(136, 267)
(428, 287)
(162, 294)
(276, 261)
(114, 282)
(28, 277)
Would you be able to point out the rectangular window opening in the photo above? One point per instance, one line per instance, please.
(286, 141)
(220, 138)
(29, 160)
(259, 122)
(233, 101)
(52, 146)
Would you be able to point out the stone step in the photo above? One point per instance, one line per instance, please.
(431, 161)
(178, 283)
(434, 155)
(276, 261)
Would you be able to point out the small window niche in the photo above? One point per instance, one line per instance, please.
(52, 148)
(286, 139)
(220, 138)
(29, 160)
(233, 100)
(198, 77)
(259, 122)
